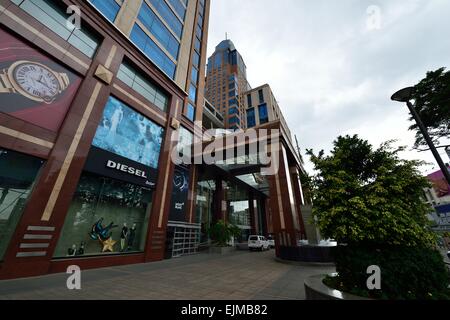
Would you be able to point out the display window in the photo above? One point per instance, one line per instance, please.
(110, 210)
(18, 174)
(106, 216)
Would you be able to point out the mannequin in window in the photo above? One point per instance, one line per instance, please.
(72, 251)
(80, 250)
(123, 237)
(131, 236)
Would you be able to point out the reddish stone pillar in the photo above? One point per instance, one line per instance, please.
(298, 197)
(282, 204)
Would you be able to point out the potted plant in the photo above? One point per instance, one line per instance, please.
(221, 233)
(371, 202)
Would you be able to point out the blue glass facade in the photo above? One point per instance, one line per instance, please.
(109, 8)
(251, 120)
(151, 49)
(168, 15)
(179, 8)
(150, 20)
(263, 115)
(190, 112)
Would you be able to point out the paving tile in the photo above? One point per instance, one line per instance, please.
(237, 276)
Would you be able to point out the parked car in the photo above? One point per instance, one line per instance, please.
(271, 241)
(258, 243)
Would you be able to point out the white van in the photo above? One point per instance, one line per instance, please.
(258, 243)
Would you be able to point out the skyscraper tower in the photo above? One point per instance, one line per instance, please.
(226, 82)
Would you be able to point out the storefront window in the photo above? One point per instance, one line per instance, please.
(17, 175)
(106, 216)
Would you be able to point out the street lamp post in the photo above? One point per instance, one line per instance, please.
(404, 95)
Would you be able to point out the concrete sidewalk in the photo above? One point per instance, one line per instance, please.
(236, 276)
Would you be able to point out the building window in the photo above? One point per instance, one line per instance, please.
(198, 31)
(232, 102)
(137, 81)
(233, 110)
(194, 75)
(179, 8)
(151, 21)
(196, 59)
(151, 49)
(249, 100)
(190, 112)
(197, 44)
(263, 116)
(55, 18)
(167, 14)
(261, 96)
(234, 120)
(193, 93)
(251, 120)
(106, 216)
(109, 8)
(18, 173)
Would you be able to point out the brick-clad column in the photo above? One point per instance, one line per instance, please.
(298, 199)
(161, 200)
(282, 203)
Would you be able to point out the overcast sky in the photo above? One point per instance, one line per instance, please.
(333, 65)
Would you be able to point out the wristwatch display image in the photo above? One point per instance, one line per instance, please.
(33, 80)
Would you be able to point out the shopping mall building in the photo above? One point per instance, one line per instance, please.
(94, 97)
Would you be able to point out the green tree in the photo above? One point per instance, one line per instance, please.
(432, 103)
(363, 194)
(371, 202)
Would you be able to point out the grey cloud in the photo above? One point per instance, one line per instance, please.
(330, 74)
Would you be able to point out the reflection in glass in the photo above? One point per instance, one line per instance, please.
(17, 175)
(239, 209)
(204, 206)
(121, 208)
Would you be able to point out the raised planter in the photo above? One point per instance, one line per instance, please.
(315, 289)
(242, 246)
(221, 250)
(307, 253)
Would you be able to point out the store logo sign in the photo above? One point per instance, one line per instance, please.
(126, 169)
(179, 205)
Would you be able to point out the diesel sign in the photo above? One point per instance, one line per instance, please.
(111, 165)
(127, 169)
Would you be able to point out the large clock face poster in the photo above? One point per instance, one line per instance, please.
(33, 87)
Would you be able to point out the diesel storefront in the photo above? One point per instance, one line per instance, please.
(86, 132)
(110, 211)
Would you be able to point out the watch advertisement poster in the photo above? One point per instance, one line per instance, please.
(33, 87)
(180, 190)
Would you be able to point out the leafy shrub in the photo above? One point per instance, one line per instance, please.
(222, 232)
(406, 272)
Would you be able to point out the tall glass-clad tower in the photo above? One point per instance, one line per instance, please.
(226, 81)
